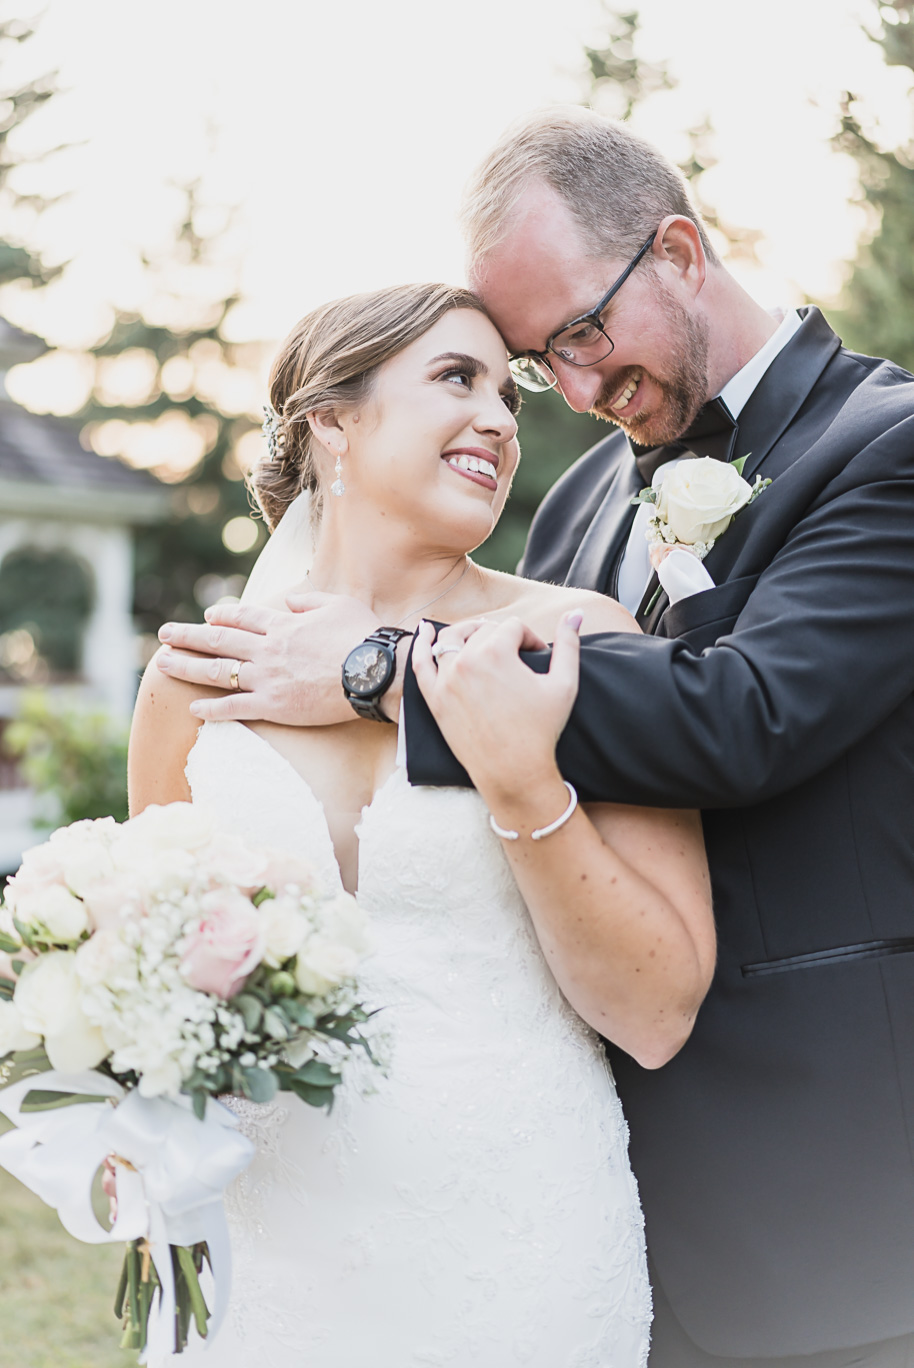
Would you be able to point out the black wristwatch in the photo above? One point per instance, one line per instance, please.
(368, 671)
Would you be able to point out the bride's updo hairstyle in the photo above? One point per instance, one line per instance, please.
(329, 361)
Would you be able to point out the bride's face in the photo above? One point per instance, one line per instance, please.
(435, 446)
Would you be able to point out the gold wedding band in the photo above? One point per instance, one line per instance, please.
(233, 677)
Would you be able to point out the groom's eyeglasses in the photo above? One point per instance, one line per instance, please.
(582, 342)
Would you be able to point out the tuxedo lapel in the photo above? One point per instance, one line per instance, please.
(782, 390)
(608, 532)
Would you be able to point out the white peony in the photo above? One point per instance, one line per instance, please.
(284, 927)
(699, 498)
(13, 1035)
(53, 913)
(47, 997)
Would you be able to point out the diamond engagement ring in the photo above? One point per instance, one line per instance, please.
(439, 650)
(233, 677)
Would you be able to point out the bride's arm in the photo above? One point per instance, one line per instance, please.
(619, 896)
(162, 735)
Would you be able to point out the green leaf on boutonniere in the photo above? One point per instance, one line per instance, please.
(738, 465)
(648, 495)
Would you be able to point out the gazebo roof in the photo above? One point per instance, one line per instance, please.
(44, 470)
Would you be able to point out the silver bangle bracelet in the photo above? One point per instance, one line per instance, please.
(540, 831)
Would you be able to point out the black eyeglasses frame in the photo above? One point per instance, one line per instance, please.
(592, 316)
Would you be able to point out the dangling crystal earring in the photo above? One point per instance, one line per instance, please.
(338, 488)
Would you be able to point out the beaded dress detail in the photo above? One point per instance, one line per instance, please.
(472, 1205)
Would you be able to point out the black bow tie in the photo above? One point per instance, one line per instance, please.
(712, 433)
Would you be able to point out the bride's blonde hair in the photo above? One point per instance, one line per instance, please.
(330, 360)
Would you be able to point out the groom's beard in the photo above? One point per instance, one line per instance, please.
(684, 387)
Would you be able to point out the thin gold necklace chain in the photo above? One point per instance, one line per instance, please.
(422, 606)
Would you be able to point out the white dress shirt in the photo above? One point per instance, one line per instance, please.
(635, 570)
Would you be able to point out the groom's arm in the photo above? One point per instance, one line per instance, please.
(819, 655)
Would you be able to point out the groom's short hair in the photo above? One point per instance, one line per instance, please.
(617, 186)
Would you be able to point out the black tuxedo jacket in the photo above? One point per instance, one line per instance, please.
(775, 1153)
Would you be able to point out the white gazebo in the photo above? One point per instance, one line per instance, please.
(59, 500)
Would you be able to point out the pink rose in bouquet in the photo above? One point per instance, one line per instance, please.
(226, 946)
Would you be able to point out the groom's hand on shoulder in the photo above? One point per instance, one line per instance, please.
(275, 665)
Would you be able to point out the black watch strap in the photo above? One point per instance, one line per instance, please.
(368, 707)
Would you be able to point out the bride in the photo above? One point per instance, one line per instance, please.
(474, 1204)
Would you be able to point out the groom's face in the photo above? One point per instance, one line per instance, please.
(541, 276)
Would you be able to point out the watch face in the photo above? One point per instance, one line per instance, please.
(367, 669)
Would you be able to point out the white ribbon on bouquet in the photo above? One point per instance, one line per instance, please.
(181, 1167)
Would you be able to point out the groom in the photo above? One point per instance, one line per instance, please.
(774, 1153)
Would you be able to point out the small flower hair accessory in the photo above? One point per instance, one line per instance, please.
(273, 431)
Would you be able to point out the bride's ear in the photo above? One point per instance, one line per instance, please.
(326, 428)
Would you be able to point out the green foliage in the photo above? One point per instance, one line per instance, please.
(74, 758)
(49, 593)
(615, 73)
(877, 303)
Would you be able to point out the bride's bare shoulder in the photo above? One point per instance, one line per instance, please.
(541, 606)
(162, 736)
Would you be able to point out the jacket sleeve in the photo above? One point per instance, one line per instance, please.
(821, 652)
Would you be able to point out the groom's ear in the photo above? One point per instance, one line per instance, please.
(679, 255)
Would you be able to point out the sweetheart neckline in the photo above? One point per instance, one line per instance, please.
(286, 765)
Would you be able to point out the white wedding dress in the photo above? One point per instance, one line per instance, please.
(477, 1209)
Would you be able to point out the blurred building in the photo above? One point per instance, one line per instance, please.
(66, 572)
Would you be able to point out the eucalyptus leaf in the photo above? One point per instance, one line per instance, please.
(251, 1009)
(262, 1084)
(41, 1100)
(8, 945)
(317, 1073)
(275, 1024)
(315, 1097)
(648, 496)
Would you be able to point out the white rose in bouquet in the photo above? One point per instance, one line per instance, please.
(13, 1035)
(53, 914)
(699, 498)
(284, 927)
(47, 998)
(322, 965)
(176, 826)
(343, 920)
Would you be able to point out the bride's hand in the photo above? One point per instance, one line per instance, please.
(288, 663)
(500, 718)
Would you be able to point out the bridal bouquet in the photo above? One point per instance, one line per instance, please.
(151, 967)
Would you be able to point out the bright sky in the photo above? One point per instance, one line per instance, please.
(344, 131)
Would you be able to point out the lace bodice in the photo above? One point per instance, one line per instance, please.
(476, 1204)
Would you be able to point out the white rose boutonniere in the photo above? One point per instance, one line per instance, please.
(697, 502)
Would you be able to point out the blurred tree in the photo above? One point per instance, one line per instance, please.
(877, 303)
(18, 102)
(76, 760)
(172, 392)
(50, 595)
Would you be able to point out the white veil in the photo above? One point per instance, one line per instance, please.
(286, 559)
